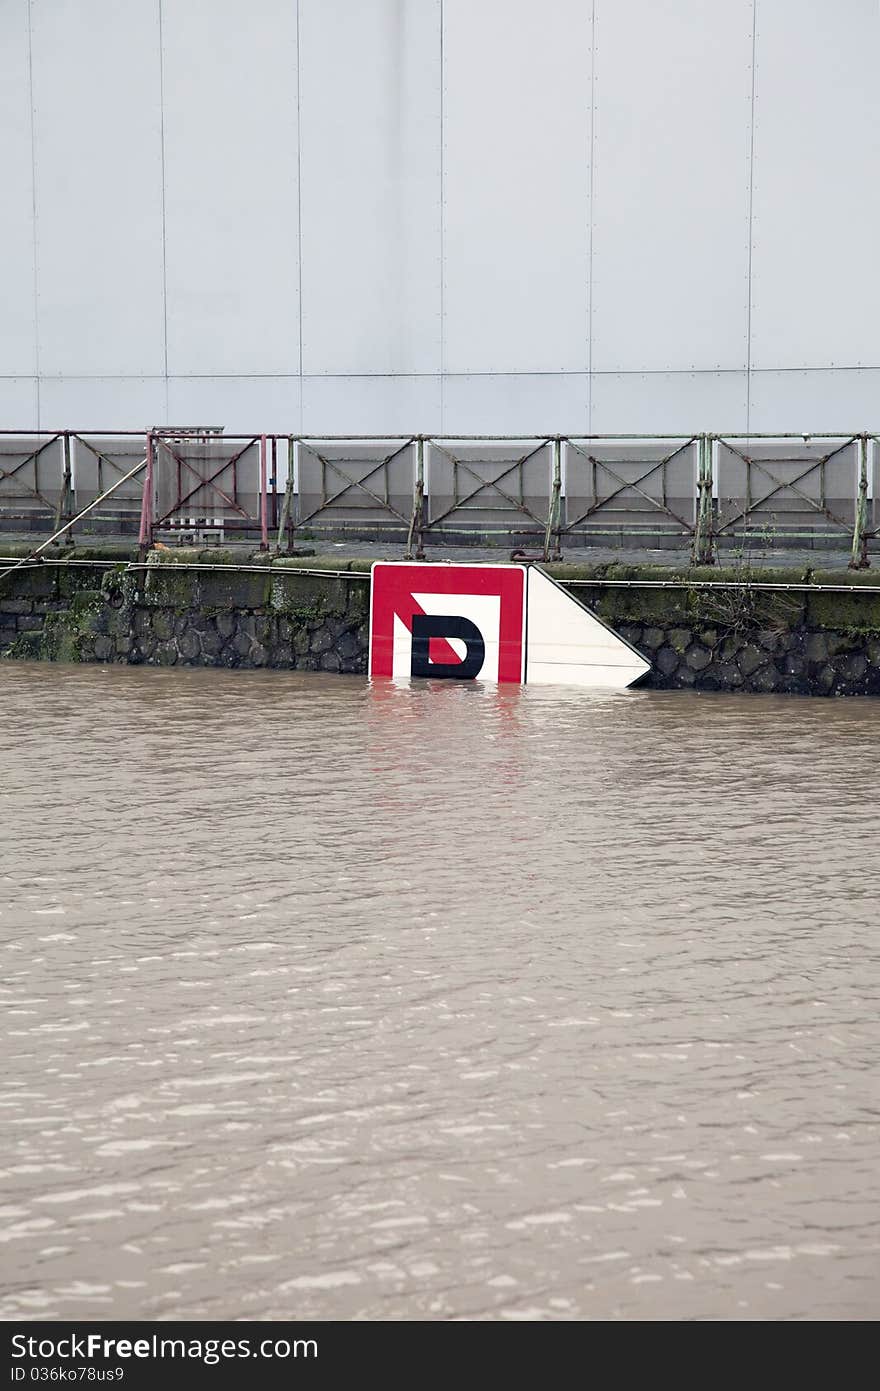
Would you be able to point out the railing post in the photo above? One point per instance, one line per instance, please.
(145, 535)
(551, 551)
(417, 523)
(264, 513)
(64, 509)
(273, 481)
(859, 559)
(285, 524)
(703, 550)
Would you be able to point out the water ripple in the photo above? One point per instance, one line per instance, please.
(329, 1001)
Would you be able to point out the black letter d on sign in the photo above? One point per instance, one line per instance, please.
(426, 626)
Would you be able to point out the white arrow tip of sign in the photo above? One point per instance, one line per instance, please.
(566, 644)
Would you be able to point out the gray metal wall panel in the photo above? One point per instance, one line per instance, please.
(237, 403)
(370, 405)
(18, 339)
(231, 201)
(666, 402)
(815, 287)
(671, 185)
(670, 181)
(98, 187)
(18, 403)
(516, 185)
(370, 158)
(483, 405)
(817, 400)
(102, 403)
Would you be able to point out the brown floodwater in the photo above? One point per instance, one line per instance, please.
(324, 1001)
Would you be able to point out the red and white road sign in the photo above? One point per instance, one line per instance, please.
(494, 623)
(461, 621)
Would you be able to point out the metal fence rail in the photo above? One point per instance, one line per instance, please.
(487, 484)
(204, 479)
(786, 481)
(33, 475)
(350, 482)
(46, 478)
(95, 462)
(641, 483)
(701, 490)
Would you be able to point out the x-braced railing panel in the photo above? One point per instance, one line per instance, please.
(32, 474)
(97, 462)
(211, 480)
(615, 483)
(785, 485)
(349, 484)
(474, 486)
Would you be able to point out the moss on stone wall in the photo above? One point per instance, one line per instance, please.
(32, 582)
(109, 550)
(854, 612)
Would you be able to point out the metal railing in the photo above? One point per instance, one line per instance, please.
(702, 490)
(46, 478)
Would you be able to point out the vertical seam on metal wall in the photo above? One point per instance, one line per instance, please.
(162, 169)
(442, 221)
(751, 206)
(590, 228)
(299, 241)
(34, 214)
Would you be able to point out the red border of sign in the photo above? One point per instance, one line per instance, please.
(449, 579)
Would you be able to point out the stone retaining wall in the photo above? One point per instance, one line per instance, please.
(746, 638)
(273, 615)
(797, 663)
(172, 616)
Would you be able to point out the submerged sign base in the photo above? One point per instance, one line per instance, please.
(494, 623)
